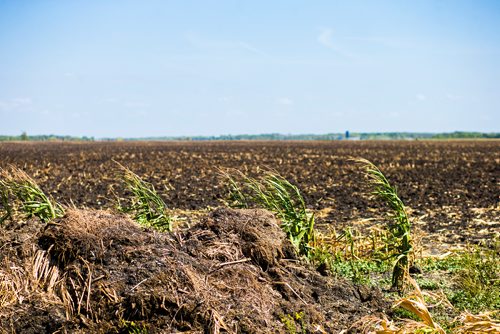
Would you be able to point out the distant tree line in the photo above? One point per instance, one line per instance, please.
(465, 135)
(334, 136)
(276, 136)
(26, 137)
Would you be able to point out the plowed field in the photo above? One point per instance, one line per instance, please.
(453, 188)
(236, 271)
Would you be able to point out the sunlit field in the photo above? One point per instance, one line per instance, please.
(296, 237)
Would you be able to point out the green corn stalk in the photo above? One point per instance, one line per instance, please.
(401, 227)
(4, 201)
(27, 197)
(146, 206)
(274, 193)
(236, 197)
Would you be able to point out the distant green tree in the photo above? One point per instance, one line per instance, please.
(24, 136)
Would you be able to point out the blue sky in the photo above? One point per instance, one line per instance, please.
(153, 68)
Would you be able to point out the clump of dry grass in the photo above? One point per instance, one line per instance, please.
(476, 324)
(416, 305)
(374, 325)
(352, 244)
(33, 279)
(469, 323)
(20, 193)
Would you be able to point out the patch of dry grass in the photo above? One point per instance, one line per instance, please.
(416, 304)
(34, 279)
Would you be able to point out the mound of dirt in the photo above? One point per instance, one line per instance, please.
(236, 272)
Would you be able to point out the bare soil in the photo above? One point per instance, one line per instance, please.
(452, 187)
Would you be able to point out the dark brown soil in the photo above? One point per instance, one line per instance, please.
(233, 272)
(453, 187)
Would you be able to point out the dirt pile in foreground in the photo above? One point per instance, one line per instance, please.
(95, 271)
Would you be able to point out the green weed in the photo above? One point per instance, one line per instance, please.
(360, 257)
(449, 263)
(130, 327)
(294, 324)
(478, 280)
(469, 278)
(358, 271)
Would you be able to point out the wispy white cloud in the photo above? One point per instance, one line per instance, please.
(284, 101)
(235, 113)
(384, 41)
(208, 43)
(125, 103)
(251, 48)
(22, 101)
(421, 97)
(325, 38)
(454, 97)
(136, 104)
(224, 99)
(203, 42)
(15, 103)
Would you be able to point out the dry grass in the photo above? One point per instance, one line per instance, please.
(351, 244)
(376, 325)
(416, 305)
(35, 279)
(476, 324)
